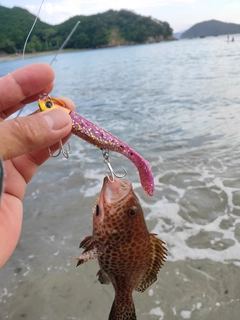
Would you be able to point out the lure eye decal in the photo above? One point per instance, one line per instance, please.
(49, 104)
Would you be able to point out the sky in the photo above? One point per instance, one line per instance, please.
(180, 14)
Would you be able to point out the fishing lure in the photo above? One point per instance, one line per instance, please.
(102, 139)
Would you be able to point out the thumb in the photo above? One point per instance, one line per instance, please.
(35, 132)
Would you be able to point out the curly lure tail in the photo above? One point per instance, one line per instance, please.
(103, 139)
(123, 309)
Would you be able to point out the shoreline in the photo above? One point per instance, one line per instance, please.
(16, 56)
(9, 57)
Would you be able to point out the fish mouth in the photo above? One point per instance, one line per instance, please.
(115, 191)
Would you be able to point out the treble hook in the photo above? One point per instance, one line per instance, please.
(106, 160)
(61, 149)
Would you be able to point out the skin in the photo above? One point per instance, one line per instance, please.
(24, 143)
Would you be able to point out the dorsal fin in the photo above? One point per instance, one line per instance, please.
(158, 254)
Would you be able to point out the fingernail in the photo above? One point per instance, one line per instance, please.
(56, 119)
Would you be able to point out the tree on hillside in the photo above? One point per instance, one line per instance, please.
(94, 31)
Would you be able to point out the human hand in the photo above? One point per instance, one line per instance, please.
(24, 142)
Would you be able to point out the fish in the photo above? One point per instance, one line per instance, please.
(102, 139)
(128, 255)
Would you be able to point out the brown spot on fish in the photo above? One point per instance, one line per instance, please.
(129, 256)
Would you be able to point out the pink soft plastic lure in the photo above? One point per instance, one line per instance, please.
(102, 139)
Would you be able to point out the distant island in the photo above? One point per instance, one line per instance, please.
(108, 29)
(211, 28)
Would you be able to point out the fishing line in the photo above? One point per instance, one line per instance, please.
(62, 46)
(37, 16)
(26, 41)
(65, 42)
(61, 149)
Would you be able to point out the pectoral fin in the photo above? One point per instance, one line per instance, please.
(87, 243)
(90, 250)
(102, 277)
(158, 254)
(87, 255)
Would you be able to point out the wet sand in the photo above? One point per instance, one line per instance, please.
(185, 290)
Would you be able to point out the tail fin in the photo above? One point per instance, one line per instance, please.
(123, 309)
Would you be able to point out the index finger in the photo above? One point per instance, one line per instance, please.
(24, 86)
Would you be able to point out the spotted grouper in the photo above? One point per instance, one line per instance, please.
(129, 256)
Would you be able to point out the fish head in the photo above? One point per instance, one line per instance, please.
(118, 215)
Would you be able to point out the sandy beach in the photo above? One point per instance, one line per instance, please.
(185, 290)
(9, 57)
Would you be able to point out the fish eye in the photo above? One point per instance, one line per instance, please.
(49, 104)
(97, 210)
(133, 211)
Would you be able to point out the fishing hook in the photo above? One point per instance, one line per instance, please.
(61, 150)
(106, 160)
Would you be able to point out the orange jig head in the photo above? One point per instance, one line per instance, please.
(45, 103)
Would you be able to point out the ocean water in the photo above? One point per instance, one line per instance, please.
(178, 105)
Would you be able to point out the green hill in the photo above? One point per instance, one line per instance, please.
(15, 24)
(110, 28)
(211, 28)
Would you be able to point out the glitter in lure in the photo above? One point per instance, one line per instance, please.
(102, 139)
